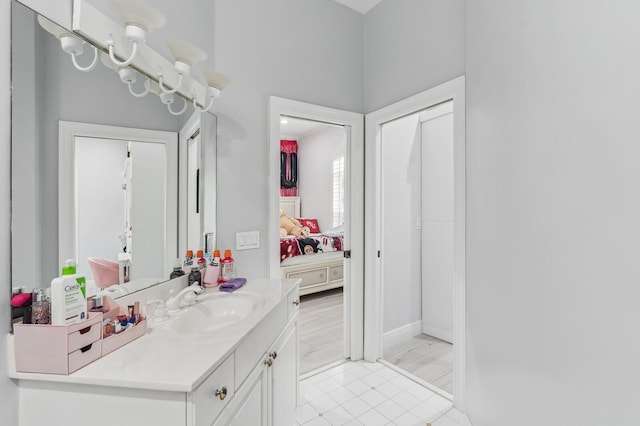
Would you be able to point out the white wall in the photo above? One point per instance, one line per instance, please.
(8, 389)
(553, 219)
(309, 51)
(411, 46)
(316, 152)
(401, 208)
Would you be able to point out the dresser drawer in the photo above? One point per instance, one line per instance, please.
(314, 276)
(85, 336)
(85, 355)
(208, 400)
(336, 273)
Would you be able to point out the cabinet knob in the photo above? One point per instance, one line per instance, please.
(273, 355)
(269, 362)
(296, 302)
(221, 393)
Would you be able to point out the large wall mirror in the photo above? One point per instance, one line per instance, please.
(97, 172)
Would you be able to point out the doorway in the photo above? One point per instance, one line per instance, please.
(348, 269)
(427, 242)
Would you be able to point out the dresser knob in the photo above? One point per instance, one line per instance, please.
(269, 362)
(273, 355)
(296, 302)
(221, 393)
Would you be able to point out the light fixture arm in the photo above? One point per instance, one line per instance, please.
(89, 67)
(184, 108)
(207, 108)
(113, 56)
(147, 88)
(164, 89)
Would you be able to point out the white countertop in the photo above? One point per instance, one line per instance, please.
(164, 360)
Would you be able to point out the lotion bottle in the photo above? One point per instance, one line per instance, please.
(212, 274)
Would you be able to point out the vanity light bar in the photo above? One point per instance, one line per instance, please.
(95, 26)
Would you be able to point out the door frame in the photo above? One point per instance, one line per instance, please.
(354, 227)
(452, 90)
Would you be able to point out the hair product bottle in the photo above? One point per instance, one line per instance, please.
(228, 266)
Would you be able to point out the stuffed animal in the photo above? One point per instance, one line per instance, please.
(291, 226)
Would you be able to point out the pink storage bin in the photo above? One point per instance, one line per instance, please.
(57, 349)
(115, 341)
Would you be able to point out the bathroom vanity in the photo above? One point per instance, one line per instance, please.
(183, 372)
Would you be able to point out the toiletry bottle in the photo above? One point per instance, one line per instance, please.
(228, 266)
(69, 269)
(96, 304)
(177, 270)
(68, 303)
(202, 262)
(41, 308)
(194, 275)
(188, 262)
(212, 275)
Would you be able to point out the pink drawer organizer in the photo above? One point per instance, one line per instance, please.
(63, 349)
(57, 349)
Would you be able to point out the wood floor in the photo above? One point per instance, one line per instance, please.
(321, 333)
(426, 357)
(321, 329)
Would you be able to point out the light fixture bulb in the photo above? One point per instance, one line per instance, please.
(185, 54)
(216, 82)
(139, 13)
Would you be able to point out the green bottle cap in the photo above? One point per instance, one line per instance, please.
(69, 267)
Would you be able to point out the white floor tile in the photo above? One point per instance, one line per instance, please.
(338, 416)
(356, 406)
(364, 393)
(305, 412)
(373, 418)
(373, 397)
(390, 409)
(358, 387)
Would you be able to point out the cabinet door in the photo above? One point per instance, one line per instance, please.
(283, 377)
(253, 410)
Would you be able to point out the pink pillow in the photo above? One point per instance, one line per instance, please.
(312, 224)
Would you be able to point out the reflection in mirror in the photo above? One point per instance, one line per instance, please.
(48, 89)
(117, 203)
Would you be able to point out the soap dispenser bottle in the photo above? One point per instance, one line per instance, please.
(177, 270)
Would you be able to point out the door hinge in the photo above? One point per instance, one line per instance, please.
(347, 254)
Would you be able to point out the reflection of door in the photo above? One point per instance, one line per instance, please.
(194, 237)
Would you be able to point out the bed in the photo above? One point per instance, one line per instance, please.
(317, 260)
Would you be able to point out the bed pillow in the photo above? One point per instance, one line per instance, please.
(312, 224)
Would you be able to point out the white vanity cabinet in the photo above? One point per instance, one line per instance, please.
(268, 396)
(253, 382)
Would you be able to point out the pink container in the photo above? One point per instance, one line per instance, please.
(57, 349)
(105, 272)
(115, 341)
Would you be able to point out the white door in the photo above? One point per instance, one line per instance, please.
(436, 125)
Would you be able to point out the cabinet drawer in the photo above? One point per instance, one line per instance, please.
(336, 273)
(206, 405)
(314, 276)
(85, 355)
(85, 336)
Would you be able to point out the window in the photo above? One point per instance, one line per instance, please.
(338, 191)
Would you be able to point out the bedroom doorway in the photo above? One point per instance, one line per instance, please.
(416, 193)
(320, 151)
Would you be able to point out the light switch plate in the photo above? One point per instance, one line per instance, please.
(247, 240)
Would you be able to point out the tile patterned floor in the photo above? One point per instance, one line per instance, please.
(371, 394)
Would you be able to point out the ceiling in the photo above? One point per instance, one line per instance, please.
(362, 6)
(298, 128)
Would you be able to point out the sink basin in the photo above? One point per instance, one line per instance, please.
(212, 312)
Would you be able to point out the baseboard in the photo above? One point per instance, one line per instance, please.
(405, 332)
(438, 333)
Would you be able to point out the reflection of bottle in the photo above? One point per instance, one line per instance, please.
(212, 275)
(41, 308)
(188, 262)
(177, 270)
(228, 266)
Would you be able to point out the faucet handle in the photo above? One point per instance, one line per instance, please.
(160, 313)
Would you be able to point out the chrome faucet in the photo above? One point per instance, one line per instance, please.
(187, 296)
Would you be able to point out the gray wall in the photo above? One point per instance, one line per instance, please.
(8, 389)
(309, 51)
(552, 212)
(411, 46)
